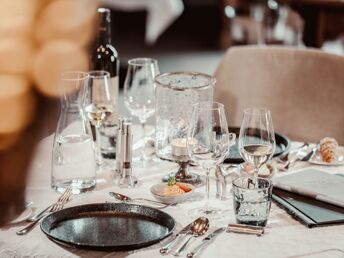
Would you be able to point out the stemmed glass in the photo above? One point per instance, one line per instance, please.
(139, 92)
(208, 142)
(98, 104)
(257, 138)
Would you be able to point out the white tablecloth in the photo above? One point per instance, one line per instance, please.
(161, 13)
(284, 237)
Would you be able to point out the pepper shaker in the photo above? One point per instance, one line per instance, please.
(124, 163)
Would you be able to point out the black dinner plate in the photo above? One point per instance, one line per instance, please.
(108, 226)
(282, 146)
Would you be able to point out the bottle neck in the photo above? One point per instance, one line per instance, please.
(104, 28)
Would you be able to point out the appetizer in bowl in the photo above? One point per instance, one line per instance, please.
(172, 191)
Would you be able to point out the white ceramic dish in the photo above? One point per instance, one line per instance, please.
(157, 189)
(317, 159)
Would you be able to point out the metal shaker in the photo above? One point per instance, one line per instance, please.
(124, 161)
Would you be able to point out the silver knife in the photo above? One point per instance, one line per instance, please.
(310, 154)
(168, 247)
(208, 239)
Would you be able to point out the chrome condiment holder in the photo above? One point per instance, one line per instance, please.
(124, 154)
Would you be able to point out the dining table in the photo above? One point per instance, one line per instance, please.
(284, 236)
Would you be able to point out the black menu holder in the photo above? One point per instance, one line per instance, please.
(308, 211)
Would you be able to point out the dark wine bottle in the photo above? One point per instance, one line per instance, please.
(105, 57)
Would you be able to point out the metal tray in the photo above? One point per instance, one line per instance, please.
(282, 147)
(108, 226)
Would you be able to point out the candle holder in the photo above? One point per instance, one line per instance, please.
(183, 174)
(176, 93)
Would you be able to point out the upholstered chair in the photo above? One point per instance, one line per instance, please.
(304, 89)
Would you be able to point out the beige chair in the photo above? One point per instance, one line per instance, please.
(304, 89)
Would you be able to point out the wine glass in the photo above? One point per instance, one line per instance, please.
(98, 104)
(139, 92)
(257, 138)
(208, 142)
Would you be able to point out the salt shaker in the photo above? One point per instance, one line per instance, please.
(119, 146)
(124, 161)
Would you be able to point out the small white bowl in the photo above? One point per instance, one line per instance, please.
(157, 189)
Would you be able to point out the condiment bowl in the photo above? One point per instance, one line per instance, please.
(157, 191)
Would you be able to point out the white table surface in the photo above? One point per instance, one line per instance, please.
(284, 236)
(160, 13)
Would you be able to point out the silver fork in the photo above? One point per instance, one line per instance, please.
(62, 200)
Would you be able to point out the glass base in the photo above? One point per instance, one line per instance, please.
(108, 163)
(145, 161)
(78, 185)
(260, 223)
(128, 182)
(209, 212)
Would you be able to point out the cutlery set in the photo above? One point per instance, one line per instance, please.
(198, 228)
(299, 154)
(192, 231)
(62, 200)
(125, 198)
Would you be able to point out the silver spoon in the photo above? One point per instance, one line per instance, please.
(198, 228)
(124, 198)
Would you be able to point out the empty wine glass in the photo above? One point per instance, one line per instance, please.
(139, 92)
(257, 138)
(208, 142)
(98, 104)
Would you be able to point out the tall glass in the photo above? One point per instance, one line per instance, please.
(208, 142)
(98, 104)
(257, 137)
(73, 161)
(139, 92)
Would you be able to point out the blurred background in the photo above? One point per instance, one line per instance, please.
(199, 31)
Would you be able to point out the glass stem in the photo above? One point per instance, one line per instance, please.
(255, 176)
(143, 151)
(98, 148)
(207, 190)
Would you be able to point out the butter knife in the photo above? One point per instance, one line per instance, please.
(310, 154)
(168, 247)
(205, 241)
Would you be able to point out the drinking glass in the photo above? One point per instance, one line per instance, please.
(73, 161)
(139, 92)
(252, 202)
(208, 142)
(98, 104)
(257, 137)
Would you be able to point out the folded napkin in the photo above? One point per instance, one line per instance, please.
(315, 184)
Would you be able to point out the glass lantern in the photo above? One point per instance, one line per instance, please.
(176, 93)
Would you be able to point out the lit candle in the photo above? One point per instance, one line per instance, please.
(179, 146)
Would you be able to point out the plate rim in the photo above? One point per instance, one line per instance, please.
(323, 163)
(240, 160)
(106, 247)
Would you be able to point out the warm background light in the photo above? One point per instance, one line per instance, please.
(39, 39)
